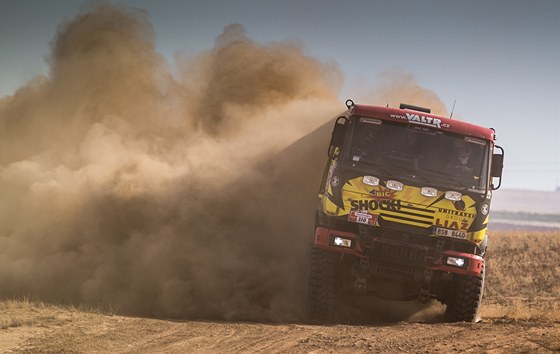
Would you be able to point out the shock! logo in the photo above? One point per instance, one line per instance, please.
(372, 204)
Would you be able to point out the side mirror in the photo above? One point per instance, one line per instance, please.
(497, 167)
(337, 136)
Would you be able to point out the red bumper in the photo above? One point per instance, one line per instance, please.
(473, 263)
(324, 238)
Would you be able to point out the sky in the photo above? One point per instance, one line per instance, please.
(499, 60)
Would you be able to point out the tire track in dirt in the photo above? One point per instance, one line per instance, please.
(43, 328)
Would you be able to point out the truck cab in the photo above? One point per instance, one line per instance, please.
(403, 210)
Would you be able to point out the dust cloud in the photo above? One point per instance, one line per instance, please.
(124, 186)
(396, 86)
(189, 195)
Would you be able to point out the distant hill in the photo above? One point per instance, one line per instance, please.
(518, 200)
(524, 209)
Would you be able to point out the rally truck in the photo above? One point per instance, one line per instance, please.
(403, 210)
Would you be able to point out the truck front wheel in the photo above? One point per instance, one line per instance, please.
(465, 299)
(320, 290)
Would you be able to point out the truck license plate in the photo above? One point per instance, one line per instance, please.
(362, 217)
(440, 231)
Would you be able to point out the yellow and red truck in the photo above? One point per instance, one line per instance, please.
(403, 210)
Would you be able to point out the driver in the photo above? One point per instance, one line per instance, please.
(462, 159)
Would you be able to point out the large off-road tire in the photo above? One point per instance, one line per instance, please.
(465, 300)
(320, 288)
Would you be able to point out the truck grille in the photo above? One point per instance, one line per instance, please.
(391, 259)
(394, 271)
(404, 253)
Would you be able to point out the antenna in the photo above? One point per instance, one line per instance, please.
(452, 109)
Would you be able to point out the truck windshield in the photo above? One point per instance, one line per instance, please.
(411, 152)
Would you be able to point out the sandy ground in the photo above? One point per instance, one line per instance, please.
(37, 328)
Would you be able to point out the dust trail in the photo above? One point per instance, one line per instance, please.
(126, 187)
(123, 186)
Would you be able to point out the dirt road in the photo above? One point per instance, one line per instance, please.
(33, 327)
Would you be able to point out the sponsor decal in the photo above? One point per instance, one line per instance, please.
(458, 213)
(424, 120)
(362, 217)
(373, 204)
(455, 217)
(382, 194)
(398, 116)
(335, 181)
(451, 224)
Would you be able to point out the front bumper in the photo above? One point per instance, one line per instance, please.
(401, 260)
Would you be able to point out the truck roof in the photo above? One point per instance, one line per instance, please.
(423, 119)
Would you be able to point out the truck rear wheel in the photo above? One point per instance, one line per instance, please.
(465, 301)
(320, 289)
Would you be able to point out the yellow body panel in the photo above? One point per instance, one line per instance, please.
(407, 206)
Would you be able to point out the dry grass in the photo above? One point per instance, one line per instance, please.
(25, 312)
(17, 313)
(523, 275)
(522, 308)
(524, 264)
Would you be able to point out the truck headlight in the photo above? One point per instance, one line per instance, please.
(342, 242)
(456, 261)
